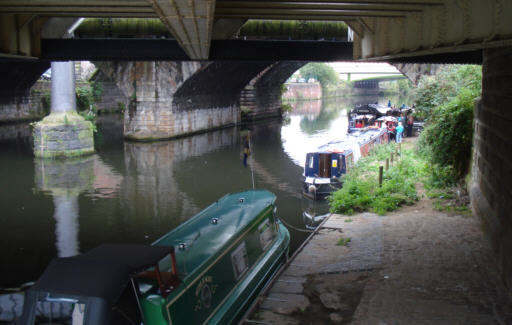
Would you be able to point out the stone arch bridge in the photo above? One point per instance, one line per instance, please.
(171, 99)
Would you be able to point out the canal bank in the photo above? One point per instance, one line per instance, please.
(413, 266)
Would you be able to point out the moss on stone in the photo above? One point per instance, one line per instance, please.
(64, 154)
(68, 118)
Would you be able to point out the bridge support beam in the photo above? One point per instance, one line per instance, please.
(491, 189)
(63, 133)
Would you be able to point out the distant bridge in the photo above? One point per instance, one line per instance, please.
(373, 83)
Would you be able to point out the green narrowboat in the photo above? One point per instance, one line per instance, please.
(206, 271)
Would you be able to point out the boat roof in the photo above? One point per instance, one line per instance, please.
(203, 239)
(355, 139)
(376, 109)
(102, 272)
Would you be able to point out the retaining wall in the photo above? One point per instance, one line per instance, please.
(491, 190)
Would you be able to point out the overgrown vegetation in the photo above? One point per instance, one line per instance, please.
(361, 191)
(84, 97)
(322, 72)
(294, 29)
(446, 100)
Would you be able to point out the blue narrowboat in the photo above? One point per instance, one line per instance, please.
(323, 169)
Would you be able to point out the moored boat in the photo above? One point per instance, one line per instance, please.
(323, 169)
(206, 271)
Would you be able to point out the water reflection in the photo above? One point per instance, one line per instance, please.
(137, 192)
(153, 172)
(65, 180)
(313, 212)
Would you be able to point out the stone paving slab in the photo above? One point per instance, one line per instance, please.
(415, 266)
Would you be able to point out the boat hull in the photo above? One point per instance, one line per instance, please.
(222, 288)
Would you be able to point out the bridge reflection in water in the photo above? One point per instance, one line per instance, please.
(136, 192)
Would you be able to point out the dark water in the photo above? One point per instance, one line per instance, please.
(136, 192)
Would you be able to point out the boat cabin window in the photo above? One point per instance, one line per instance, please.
(311, 161)
(162, 277)
(59, 311)
(240, 260)
(266, 234)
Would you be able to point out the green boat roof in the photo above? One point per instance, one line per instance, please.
(203, 238)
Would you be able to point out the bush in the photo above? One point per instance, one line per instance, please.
(447, 138)
(84, 98)
(446, 141)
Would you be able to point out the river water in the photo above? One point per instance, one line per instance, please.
(130, 192)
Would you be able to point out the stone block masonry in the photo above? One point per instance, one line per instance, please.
(491, 190)
(63, 135)
(163, 123)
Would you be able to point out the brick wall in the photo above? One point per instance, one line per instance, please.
(303, 91)
(491, 190)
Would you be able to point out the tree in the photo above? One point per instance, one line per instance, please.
(322, 72)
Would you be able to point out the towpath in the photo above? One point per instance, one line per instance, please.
(414, 266)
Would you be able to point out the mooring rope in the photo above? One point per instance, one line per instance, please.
(294, 228)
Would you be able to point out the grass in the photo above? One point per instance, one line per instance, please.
(343, 241)
(361, 191)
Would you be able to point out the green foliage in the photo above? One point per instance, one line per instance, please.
(447, 138)
(121, 106)
(361, 191)
(84, 97)
(343, 241)
(447, 99)
(294, 29)
(119, 27)
(434, 91)
(97, 89)
(322, 72)
(46, 101)
(286, 108)
(404, 86)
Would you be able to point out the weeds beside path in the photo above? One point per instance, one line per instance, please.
(408, 171)
(416, 265)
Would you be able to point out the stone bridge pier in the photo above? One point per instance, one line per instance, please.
(172, 99)
(491, 190)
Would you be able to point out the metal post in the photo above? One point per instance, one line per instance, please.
(391, 159)
(381, 169)
(387, 164)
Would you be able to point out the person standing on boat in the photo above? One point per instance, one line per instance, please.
(399, 132)
(389, 103)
